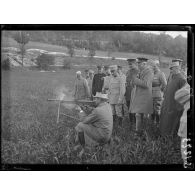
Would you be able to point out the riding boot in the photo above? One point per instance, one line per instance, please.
(81, 138)
(153, 117)
(130, 118)
(138, 122)
(114, 118)
(157, 118)
(120, 121)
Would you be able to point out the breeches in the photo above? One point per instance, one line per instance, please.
(119, 110)
(92, 135)
(157, 102)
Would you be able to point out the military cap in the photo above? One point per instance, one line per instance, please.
(78, 72)
(99, 67)
(177, 60)
(114, 67)
(91, 71)
(106, 67)
(174, 64)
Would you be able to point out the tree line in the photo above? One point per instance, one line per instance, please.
(110, 41)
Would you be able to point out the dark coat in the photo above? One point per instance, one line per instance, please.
(171, 110)
(97, 83)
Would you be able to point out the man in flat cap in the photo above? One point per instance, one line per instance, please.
(129, 86)
(171, 110)
(116, 93)
(142, 104)
(81, 89)
(98, 80)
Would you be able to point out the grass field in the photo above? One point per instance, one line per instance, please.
(30, 133)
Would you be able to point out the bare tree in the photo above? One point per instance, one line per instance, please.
(22, 38)
(161, 42)
(71, 50)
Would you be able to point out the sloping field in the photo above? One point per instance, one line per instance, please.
(9, 42)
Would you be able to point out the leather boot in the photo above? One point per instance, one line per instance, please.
(130, 118)
(138, 122)
(81, 138)
(157, 118)
(114, 118)
(120, 121)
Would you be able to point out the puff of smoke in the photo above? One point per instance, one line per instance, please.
(64, 93)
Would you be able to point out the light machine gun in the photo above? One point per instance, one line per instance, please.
(81, 103)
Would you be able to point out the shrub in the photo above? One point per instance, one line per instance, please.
(71, 51)
(67, 64)
(5, 64)
(91, 53)
(113, 58)
(44, 61)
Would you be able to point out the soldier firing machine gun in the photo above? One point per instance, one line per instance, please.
(81, 103)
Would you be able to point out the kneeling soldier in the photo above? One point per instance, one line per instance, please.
(96, 128)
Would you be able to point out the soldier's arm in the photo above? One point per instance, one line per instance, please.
(145, 83)
(163, 81)
(87, 88)
(75, 89)
(93, 85)
(104, 85)
(122, 90)
(182, 82)
(91, 118)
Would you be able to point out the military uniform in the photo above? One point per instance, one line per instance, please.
(142, 99)
(81, 89)
(107, 79)
(158, 87)
(97, 126)
(129, 85)
(98, 81)
(116, 95)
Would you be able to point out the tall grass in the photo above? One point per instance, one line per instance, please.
(30, 133)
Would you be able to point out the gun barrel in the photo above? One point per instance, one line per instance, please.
(73, 101)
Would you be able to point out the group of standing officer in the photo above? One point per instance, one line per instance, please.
(143, 92)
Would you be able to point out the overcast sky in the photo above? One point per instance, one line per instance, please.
(172, 33)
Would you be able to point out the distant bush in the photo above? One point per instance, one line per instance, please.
(113, 58)
(5, 64)
(91, 53)
(67, 64)
(44, 61)
(71, 51)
